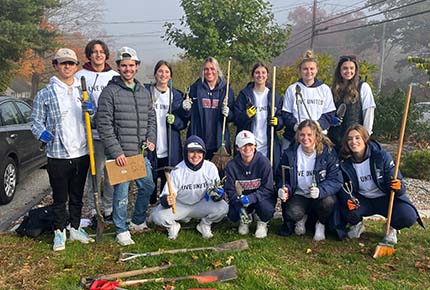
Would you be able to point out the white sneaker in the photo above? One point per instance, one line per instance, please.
(243, 229)
(173, 231)
(319, 232)
(356, 230)
(261, 231)
(391, 238)
(300, 227)
(205, 230)
(124, 239)
(80, 235)
(59, 240)
(137, 228)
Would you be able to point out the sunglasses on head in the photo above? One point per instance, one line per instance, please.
(348, 58)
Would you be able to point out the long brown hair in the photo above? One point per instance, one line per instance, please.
(346, 90)
(320, 138)
(345, 152)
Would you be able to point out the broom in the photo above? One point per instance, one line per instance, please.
(384, 248)
(221, 157)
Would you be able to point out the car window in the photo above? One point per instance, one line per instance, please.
(25, 111)
(9, 114)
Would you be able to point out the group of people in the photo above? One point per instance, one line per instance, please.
(303, 170)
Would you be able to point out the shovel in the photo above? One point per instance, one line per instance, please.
(218, 275)
(238, 245)
(99, 216)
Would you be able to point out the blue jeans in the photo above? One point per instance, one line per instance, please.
(145, 187)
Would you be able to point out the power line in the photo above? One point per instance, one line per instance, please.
(362, 26)
(139, 21)
(376, 23)
(339, 16)
(371, 15)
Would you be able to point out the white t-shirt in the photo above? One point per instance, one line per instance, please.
(305, 171)
(190, 186)
(366, 95)
(161, 107)
(260, 124)
(367, 187)
(318, 101)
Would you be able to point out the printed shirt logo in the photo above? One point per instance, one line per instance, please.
(250, 184)
(210, 104)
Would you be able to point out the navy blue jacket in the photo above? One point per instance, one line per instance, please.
(198, 91)
(382, 170)
(327, 173)
(179, 124)
(256, 178)
(243, 122)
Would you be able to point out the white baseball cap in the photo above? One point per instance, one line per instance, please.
(245, 137)
(65, 54)
(126, 53)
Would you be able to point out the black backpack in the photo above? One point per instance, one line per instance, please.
(37, 222)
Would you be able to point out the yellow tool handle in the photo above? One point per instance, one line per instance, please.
(88, 128)
(169, 186)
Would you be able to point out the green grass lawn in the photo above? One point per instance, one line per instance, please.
(271, 263)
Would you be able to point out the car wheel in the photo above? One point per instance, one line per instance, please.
(8, 179)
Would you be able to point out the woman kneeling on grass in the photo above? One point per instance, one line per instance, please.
(196, 194)
(249, 186)
(368, 174)
(308, 180)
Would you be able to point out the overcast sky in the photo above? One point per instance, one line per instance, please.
(139, 23)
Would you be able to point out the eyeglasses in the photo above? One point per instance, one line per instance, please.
(348, 58)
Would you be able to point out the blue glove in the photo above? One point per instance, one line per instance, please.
(215, 194)
(87, 106)
(336, 121)
(46, 136)
(245, 200)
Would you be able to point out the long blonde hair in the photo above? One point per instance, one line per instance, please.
(320, 138)
(213, 61)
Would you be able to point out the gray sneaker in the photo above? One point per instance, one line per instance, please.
(391, 238)
(356, 230)
(124, 239)
(80, 235)
(59, 240)
(205, 230)
(173, 230)
(300, 227)
(137, 228)
(319, 232)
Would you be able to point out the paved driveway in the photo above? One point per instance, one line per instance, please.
(29, 192)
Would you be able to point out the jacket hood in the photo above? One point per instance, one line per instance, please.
(57, 82)
(316, 83)
(220, 84)
(194, 141)
(89, 67)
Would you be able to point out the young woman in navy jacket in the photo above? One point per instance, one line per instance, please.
(368, 174)
(253, 112)
(312, 179)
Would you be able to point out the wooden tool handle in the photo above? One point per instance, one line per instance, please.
(399, 153)
(171, 194)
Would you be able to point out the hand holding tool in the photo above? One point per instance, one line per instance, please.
(251, 110)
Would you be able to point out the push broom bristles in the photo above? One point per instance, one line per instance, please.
(221, 158)
(383, 250)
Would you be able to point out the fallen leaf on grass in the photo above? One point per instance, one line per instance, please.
(308, 251)
(229, 259)
(194, 257)
(168, 287)
(68, 268)
(361, 244)
(217, 264)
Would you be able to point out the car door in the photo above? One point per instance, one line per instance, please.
(16, 134)
(38, 157)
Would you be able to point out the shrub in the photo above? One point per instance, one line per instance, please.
(416, 164)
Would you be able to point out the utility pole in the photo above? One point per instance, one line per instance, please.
(381, 63)
(314, 16)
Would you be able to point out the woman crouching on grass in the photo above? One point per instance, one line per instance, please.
(368, 174)
(308, 180)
